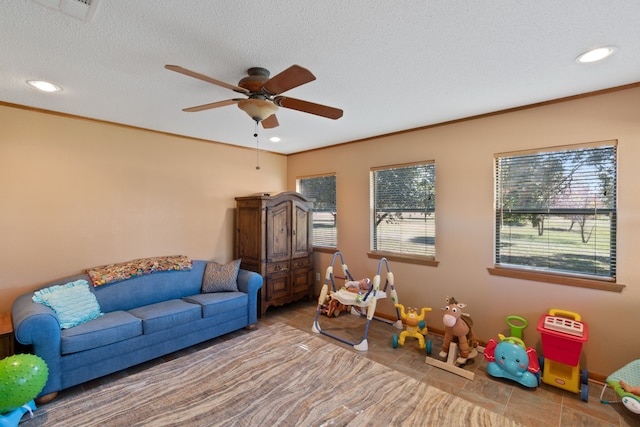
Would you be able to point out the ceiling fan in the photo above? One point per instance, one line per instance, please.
(264, 94)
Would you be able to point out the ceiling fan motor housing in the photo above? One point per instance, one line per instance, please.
(257, 76)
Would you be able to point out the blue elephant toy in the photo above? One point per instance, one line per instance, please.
(511, 359)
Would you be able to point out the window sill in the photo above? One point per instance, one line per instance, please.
(325, 249)
(410, 259)
(556, 278)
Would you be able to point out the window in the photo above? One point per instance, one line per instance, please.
(403, 209)
(556, 210)
(322, 190)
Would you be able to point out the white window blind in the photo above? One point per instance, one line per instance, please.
(404, 209)
(556, 210)
(322, 190)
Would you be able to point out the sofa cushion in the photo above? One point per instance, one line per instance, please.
(112, 327)
(221, 278)
(167, 314)
(219, 302)
(73, 302)
(150, 289)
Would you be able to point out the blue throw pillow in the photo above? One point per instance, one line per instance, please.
(73, 302)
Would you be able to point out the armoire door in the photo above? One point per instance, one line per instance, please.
(278, 233)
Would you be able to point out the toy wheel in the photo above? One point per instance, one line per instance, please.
(428, 347)
(421, 324)
(394, 341)
(584, 389)
(584, 376)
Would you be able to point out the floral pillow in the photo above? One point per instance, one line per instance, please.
(221, 278)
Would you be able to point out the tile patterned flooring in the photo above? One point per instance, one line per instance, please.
(542, 406)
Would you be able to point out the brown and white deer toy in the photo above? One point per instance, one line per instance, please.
(457, 328)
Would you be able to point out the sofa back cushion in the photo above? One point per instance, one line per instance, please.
(150, 288)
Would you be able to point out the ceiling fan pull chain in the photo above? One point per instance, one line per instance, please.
(257, 147)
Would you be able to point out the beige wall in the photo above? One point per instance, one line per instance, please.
(77, 193)
(463, 153)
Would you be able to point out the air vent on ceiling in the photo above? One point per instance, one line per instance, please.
(81, 9)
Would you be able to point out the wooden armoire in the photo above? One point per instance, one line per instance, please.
(274, 237)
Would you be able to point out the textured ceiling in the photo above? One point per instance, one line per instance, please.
(390, 66)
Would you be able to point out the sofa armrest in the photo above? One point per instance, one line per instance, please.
(37, 325)
(250, 283)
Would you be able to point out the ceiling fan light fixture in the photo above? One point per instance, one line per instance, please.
(257, 109)
(594, 55)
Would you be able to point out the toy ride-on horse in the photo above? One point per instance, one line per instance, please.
(459, 345)
(416, 327)
(457, 329)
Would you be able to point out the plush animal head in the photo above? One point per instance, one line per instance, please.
(512, 356)
(453, 311)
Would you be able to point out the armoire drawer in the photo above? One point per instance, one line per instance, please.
(300, 262)
(277, 267)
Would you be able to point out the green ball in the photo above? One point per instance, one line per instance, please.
(22, 377)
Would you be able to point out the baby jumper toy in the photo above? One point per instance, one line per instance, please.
(416, 327)
(512, 360)
(457, 333)
(562, 337)
(362, 303)
(333, 307)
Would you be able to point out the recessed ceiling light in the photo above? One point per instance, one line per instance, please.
(44, 86)
(275, 139)
(595, 55)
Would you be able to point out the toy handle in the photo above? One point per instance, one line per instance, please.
(565, 313)
(516, 330)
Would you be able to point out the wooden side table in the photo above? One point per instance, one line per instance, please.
(6, 336)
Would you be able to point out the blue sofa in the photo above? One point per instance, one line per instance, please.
(144, 317)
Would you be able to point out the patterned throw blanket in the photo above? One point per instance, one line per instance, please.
(112, 273)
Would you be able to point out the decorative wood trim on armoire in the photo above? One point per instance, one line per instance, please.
(274, 237)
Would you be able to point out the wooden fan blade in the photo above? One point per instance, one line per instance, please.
(308, 107)
(179, 69)
(293, 76)
(211, 105)
(270, 122)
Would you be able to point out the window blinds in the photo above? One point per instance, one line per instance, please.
(556, 210)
